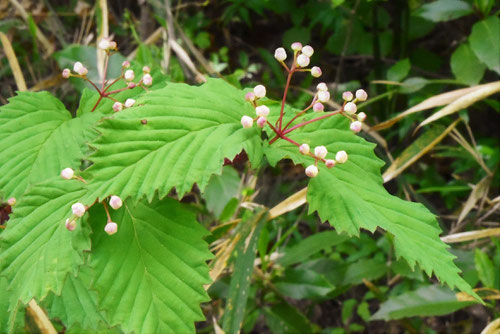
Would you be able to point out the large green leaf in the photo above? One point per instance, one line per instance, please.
(188, 132)
(36, 250)
(444, 10)
(149, 276)
(351, 197)
(484, 42)
(465, 65)
(38, 138)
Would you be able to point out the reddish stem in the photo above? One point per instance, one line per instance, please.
(105, 70)
(299, 114)
(289, 78)
(107, 210)
(312, 121)
(99, 100)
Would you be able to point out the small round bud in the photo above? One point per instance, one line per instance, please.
(111, 228)
(146, 69)
(261, 121)
(260, 91)
(117, 106)
(77, 67)
(322, 87)
(304, 149)
(318, 106)
(361, 95)
(115, 202)
(67, 173)
(131, 85)
(280, 54)
(297, 46)
(320, 152)
(308, 50)
(347, 96)
(350, 108)
(129, 75)
(113, 45)
(323, 96)
(78, 209)
(250, 96)
(247, 122)
(311, 171)
(12, 201)
(126, 64)
(104, 44)
(356, 126)
(262, 111)
(70, 224)
(303, 60)
(66, 73)
(361, 117)
(129, 103)
(147, 79)
(329, 163)
(83, 71)
(341, 157)
(316, 71)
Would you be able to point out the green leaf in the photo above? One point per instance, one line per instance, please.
(465, 65)
(284, 318)
(149, 276)
(303, 284)
(426, 301)
(38, 138)
(484, 42)
(37, 251)
(221, 189)
(10, 321)
(444, 10)
(351, 197)
(399, 71)
(485, 269)
(369, 269)
(189, 132)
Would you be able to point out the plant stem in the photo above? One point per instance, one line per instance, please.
(95, 106)
(311, 121)
(107, 210)
(279, 123)
(299, 114)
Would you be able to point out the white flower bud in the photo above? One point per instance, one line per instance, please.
(83, 71)
(260, 91)
(147, 79)
(304, 149)
(361, 95)
(129, 103)
(117, 106)
(311, 171)
(347, 96)
(308, 50)
(323, 96)
(77, 67)
(12, 201)
(356, 126)
(126, 64)
(104, 44)
(78, 209)
(111, 228)
(322, 87)
(129, 75)
(341, 157)
(66, 73)
(316, 71)
(250, 96)
(350, 108)
(318, 106)
(146, 69)
(320, 152)
(329, 163)
(280, 54)
(70, 224)
(112, 45)
(261, 121)
(297, 46)
(303, 60)
(262, 111)
(361, 117)
(247, 122)
(115, 202)
(67, 173)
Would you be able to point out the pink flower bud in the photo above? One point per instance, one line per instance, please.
(131, 85)
(261, 121)
(146, 69)
(129, 75)
(308, 50)
(115, 202)
(70, 224)
(280, 54)
(260, 91)
(126, 64)
(356, 126)
(329, 163)
(77, 67)
(316, 71)
(117, 106)
(318, 106)
(66, 73)
(311, 171)
(304, 149)
(322, 87)
(12, 201)
(361, 117)
(111, 228)
(320, 152)
(104, 44)
(361, 95)
(78, 209)
(341, 157)
(347, 96)
(129, 103)
(247, 122)
(147, 79)
(67, 173)
(303, 60)
(262, 111)
(112, 45)
(323, 96)
(250, 96)
(350, 108)
(297, 46)
(83, 71)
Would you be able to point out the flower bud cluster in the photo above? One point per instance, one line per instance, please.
(301, 58)
(261, 111)
(107, 44)
(320, 153)
(78, 68)
(350, 108)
